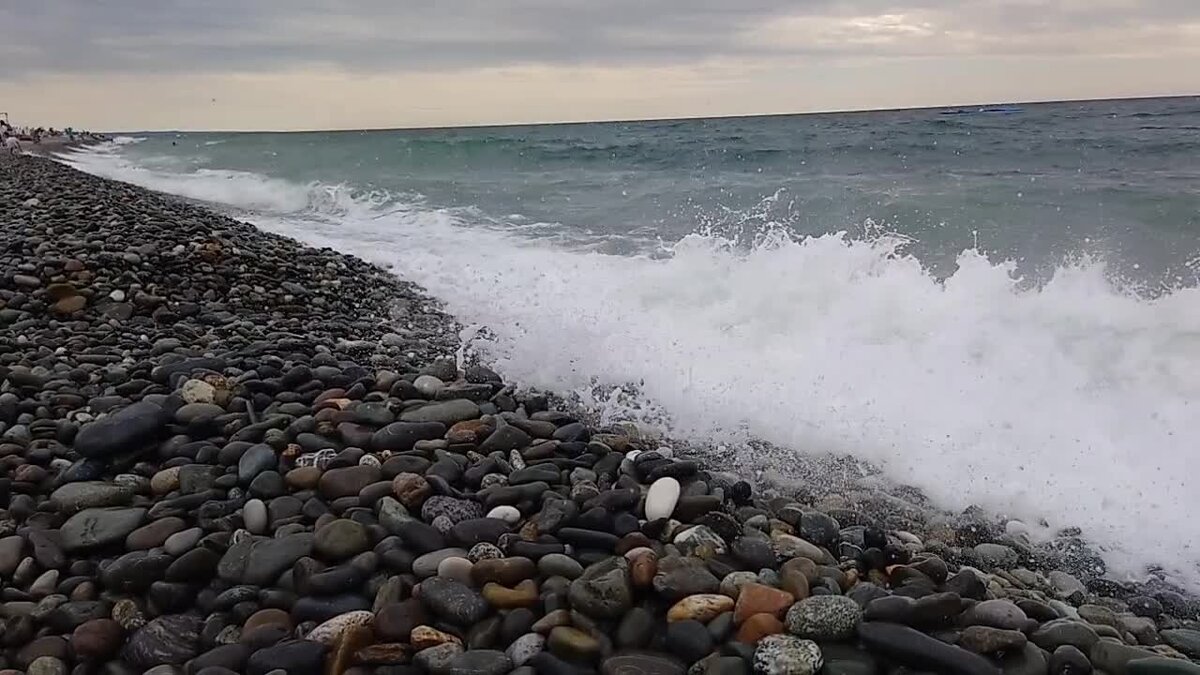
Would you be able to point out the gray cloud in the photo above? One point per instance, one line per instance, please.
(213, 36)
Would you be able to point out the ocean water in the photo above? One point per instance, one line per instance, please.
(999, 307)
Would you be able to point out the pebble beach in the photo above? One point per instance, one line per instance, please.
(223, 451)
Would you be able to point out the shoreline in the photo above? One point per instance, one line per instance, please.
(220, 452)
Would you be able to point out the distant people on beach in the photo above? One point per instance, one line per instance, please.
(12, 144)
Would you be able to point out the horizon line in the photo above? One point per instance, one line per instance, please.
(645, 120)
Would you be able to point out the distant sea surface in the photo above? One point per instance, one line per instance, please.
(998, 305)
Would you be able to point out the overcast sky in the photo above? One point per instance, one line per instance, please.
(290, 64)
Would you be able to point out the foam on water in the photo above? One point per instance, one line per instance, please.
(1073, 402)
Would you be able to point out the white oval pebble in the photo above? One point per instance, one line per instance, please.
(117, 295)
(254, 514)
(662, 497)
(524, 648)
(455, 568)
(508, 514)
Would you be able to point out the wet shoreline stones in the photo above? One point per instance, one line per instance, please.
(223, 456)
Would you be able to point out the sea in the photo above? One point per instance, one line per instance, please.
(998, 305)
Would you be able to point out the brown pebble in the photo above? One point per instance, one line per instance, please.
(423, 637)
(504, 571)
(758, 627)
(386, 653)
(303, 478)
(702, 607)
(268, 617)
(354, 638)
(525, 594)
(411, 489)
(761, 599)
(97, 638)
(796, 576)
(643, 565)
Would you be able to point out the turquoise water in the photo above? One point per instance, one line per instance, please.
(1117, 180)
(1000, 308)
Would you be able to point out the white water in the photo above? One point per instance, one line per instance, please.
(1074, 402)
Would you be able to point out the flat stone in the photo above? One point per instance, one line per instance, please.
(93, 528)
(90, 494)
(172, 639)
(126, 430)
(453, 601)
(446, 413)
(914, 649)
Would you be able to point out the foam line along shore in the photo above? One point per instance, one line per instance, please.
(225, 451)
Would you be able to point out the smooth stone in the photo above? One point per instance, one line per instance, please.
(1054, 634)
(755, 598)
(988, 640)
(427, 565)
(254, 515)
(90, 494)
(1158, 665)
(1068, 660)
(123, 431)
(689, 640)
(92, 528)
(662, 498)
(572, 644)
(824, 617)
(480, 662)
(702, 607)
(340, 539)
(293, 657)
(557, 564)
(508, 514)
(260, 562)
(997, 614)
(446, 413)
(453, 601)
(1186, 640)
(525, 648)
(1114, 658)
(912, 648)
(642, 663)
(182, 542)
(786, 655)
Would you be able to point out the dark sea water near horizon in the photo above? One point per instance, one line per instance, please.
(999, 307)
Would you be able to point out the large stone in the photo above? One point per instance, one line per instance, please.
(824, 617)
(340, 539)
(90, 494)
(171, 639)
(446, 413)
(401, 436)
(126, 430)
(1186, 640)
(912, 648)
(1114, 658)
(294, 657)
(347, 481)
(93, 528)
(260, 562)
(453, 601)
(1158, 665)
(603, 590)
(786, 655)
(641, 663)
(678, 577)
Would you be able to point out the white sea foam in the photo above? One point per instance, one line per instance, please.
(1074, 402)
